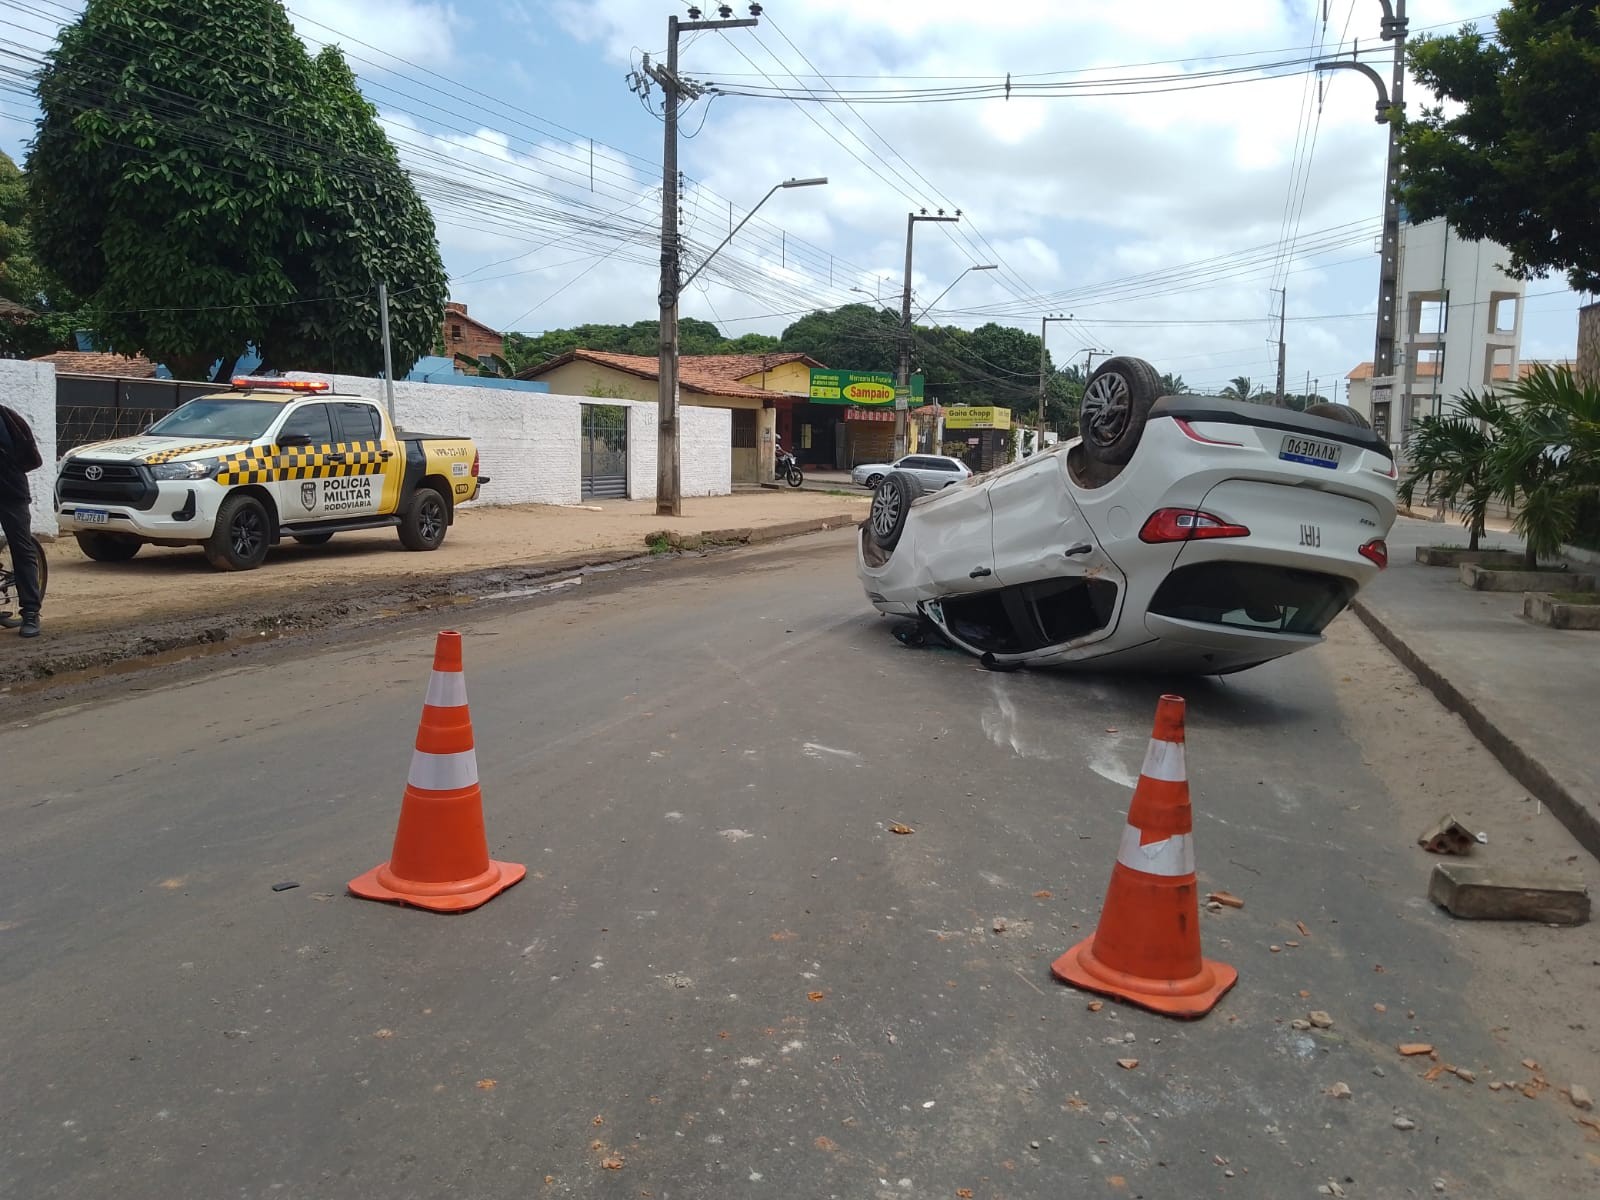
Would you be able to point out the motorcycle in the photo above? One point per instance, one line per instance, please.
(786, 467)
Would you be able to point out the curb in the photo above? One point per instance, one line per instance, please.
(247, 627)
(1527, 770)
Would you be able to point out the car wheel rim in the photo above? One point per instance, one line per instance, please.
(246, 534)
(1106, 406)
(885, 511)
(430, 521)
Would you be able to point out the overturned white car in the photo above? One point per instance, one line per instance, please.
(1182, 533)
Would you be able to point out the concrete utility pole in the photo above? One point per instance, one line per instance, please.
(388, 356)
(1044, 325)
(1283, 312)
(1391, 112)
(902, 379)
(669, 479)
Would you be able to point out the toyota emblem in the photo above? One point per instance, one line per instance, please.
(93, 473)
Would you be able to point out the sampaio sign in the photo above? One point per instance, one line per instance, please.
(869, 389)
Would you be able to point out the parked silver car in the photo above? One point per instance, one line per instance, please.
(933, 471)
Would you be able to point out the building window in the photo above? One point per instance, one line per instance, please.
(744, 429)
(455, 333)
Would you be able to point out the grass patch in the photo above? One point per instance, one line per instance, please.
(842, 492)
(1590, 598)
(657, 543)
(1543, 568)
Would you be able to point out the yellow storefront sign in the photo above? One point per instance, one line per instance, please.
(986, 417)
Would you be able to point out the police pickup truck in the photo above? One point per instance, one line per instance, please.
(238, 471)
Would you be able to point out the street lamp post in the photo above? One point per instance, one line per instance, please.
(1044, 325)
(1391, 111)
(669, 476)
(902, 390)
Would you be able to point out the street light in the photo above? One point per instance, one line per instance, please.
(946, 292)
(669, 476)
(874, 293)
(1044, 328)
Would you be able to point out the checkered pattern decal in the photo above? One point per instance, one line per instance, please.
(161, 456)
(270, 464)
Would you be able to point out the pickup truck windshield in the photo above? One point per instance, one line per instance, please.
(225, 420)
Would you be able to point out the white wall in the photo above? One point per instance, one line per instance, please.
(528, 442)
(30, 389)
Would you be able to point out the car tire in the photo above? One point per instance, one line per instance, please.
(873, 481)
(1115, 406)
(313, 539)
(107, 547)
(425, 520)
(891, 503)
(241, 536)
(1338, 412)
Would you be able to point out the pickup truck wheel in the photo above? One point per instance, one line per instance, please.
(108, 547)
(1116, 404)
(423, 524)
(239, 540)
(1338, 412)
(891, 504)
(313, 539)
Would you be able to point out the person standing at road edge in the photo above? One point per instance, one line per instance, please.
(19, 454)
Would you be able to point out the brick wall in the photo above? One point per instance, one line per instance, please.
(465, 336)
(30, 389)
(1588, 366)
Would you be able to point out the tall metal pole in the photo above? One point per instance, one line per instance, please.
(902, 390)
(388, 355)
(1283, 312)
(669, 477)
(1044, 325)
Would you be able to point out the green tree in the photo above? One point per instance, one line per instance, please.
(1173, 385)
(1546, 462)
(856, 337)
(1512, 152)
(1450, 458)
(45, 315)
(204, 183)
(1241, 387)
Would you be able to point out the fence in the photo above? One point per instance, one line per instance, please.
(93, 408)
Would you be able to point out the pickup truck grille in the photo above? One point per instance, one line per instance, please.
(116, 483)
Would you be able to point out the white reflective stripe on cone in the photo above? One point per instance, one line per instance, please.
(446, 689)
(443, 772)
(1165, 761)
(1170, 856)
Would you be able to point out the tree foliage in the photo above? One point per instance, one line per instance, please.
(642, 337)
(1511, 153)
(46, 316)
(204, 183)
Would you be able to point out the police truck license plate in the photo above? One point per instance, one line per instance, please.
(92, 516)
(1313, 454)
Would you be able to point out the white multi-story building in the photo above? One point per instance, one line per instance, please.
(1459, 328)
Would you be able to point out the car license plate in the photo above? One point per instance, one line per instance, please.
(91, 516)
(1312, 453)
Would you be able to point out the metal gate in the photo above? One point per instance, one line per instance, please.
(603, 451)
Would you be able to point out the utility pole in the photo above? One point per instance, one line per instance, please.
(388, 356)
(1044, 324)
(1283, 310)
(669, 479)
(1391, 112)
(902, 390)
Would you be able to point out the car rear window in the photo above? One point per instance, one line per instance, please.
(1253, 596)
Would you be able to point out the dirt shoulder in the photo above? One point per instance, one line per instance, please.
(100, 614)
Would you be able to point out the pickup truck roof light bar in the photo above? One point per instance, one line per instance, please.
(270, 383)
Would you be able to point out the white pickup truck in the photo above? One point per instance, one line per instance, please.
(238, 471)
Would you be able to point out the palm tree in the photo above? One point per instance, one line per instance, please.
(1242, 388)
(1453, 458)
(1547, 461)
(1173, 385)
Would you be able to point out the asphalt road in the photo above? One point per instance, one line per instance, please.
(723, 971)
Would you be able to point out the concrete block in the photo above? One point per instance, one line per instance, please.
(1482, 893)
(1451, 556)
(1482, 579)
(1544, 609)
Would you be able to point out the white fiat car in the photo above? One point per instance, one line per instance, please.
(1184, 534)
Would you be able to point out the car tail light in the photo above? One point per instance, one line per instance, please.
(1187, 525)
(1377, 550)
(474, 464)
(1194, 435)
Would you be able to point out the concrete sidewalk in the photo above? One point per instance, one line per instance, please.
(1528, 692)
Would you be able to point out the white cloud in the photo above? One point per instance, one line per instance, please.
(419, 32)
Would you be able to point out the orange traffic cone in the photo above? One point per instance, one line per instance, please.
(1146, 949)
(441, 854)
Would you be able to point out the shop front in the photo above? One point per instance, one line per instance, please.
(860, 406)
(979, 436)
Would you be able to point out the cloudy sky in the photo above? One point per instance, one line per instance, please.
(1160, 220)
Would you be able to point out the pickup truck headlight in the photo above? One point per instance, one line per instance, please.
(203, 468)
